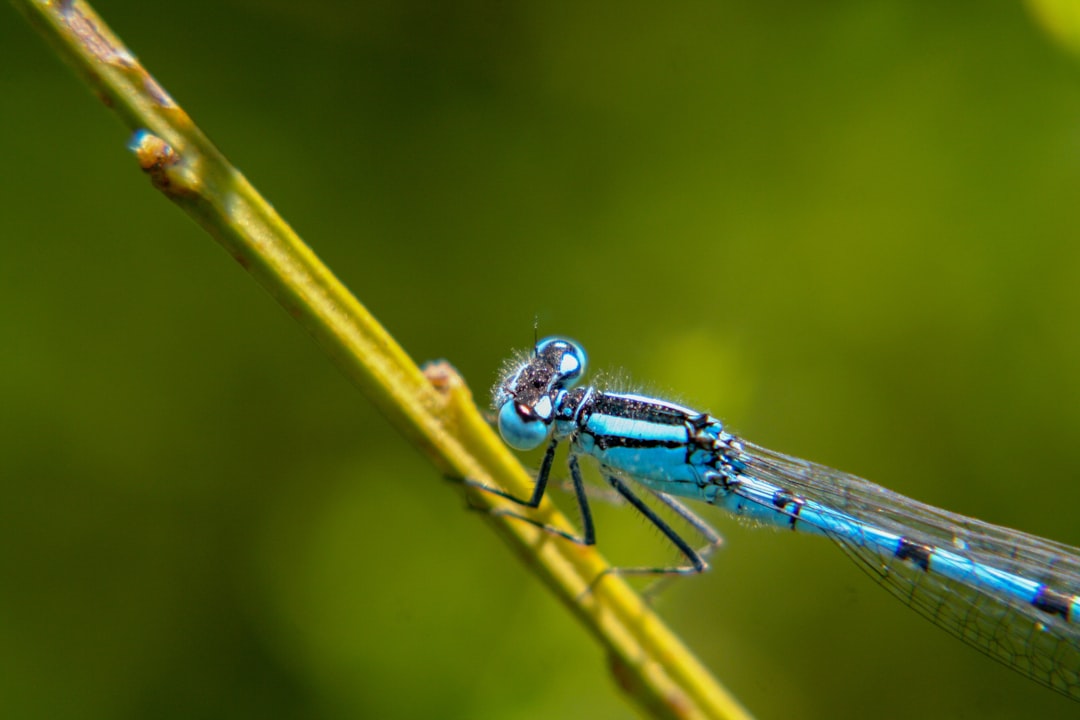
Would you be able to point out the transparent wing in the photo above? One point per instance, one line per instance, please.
(1043, 646)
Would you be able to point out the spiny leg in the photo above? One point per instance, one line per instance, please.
(538, 488)
(697, 562)
(588, 536)
(714, 539)
(707, 531)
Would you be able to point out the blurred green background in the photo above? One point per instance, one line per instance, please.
(847, 228)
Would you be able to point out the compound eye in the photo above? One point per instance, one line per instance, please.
(520, 427)
(567, 357)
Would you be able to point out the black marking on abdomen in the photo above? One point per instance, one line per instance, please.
(918, 554)
(605, 442)
(1053, 602)
(783, 498)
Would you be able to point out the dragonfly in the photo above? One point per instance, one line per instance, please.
(1011, 595)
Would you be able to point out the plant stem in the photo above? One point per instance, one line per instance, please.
(435, 410)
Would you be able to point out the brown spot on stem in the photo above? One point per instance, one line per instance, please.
(95, 41)
(155, 157)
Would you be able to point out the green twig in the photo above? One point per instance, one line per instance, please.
(435, 409)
